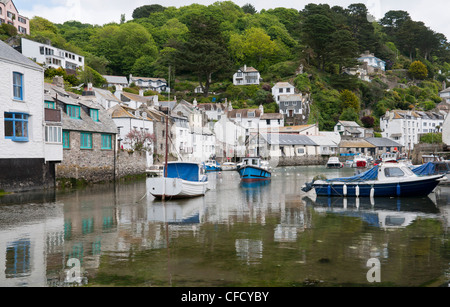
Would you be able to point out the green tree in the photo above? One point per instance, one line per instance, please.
(418, 70)
(349, 100)
(146, 10)
(249, 9)
(203, 53)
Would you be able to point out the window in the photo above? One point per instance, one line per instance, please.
(251, 114)
(393, 172)
(53, 134)
(73, 111)
(49, 104)
(300, 150)
(94, 114)
(22, 20)
(85, 140)
(106, 141)
(66, 139)
(18, 85)
(16, 127)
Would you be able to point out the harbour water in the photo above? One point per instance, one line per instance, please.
(251, 235)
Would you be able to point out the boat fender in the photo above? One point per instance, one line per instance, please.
(372, 192)
(329, 190)
(357, 191)
(344, 189)
(398, 189)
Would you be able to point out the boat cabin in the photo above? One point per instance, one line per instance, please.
(189, 171)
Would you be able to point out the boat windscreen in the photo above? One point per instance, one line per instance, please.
(186, 171)
(371, 174)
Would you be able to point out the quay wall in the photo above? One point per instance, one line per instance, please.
(300, 160)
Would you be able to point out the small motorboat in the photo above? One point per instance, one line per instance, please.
(360, 162)
(334, 162)
(254, 169)
(383, 180)
(212, 166)
(182, 180)
(229, 166)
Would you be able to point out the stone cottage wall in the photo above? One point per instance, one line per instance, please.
(97, 165)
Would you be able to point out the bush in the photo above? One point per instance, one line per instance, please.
(431, 138)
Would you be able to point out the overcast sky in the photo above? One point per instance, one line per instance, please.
(434, 13)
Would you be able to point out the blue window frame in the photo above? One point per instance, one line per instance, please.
(94, 114)
(73, 111)
(18, 85)
(85, 140)
(66, 139)
(16, 126)
(106, 141)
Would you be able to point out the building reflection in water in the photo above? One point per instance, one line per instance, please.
(39, 233)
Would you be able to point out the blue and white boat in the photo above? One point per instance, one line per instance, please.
(383, 180)
(254, 169)
(212, 166)
(182, 180)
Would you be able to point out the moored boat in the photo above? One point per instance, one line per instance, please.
(254, 169)
(182, 180)
(360, 162)
(229, 166)
(334, 162)
(383, 180)
(212, 166)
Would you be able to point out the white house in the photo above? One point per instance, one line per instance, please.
(349, 128)
(282, 88)
(230, 138)
(246, 76)
(446, 131)
(183, 142)
(128, 119)
(51, 56)
(22, 124)
(445, 94)
(405, 127)
(155, 84)
(289, 145)
(373, 63)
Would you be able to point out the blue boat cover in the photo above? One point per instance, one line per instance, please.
(186, 171)
(371, 174)
(425, 169)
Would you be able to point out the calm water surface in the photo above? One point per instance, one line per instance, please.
(269, 234)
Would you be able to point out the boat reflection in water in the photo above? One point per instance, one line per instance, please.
(378, 212)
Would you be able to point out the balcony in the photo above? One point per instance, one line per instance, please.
(52, 115)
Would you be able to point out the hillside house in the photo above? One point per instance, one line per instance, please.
(154, 84)
(246, 76)
(295, 108)
(51, 56)
(282, 88)
(374, 64)
(116, 80)
(10, 15)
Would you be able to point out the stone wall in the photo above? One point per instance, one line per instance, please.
(302, 160)
(98, 165)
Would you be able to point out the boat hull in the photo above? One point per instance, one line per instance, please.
(212, 168)
(252, 173)
(410, 188)
(176, 188)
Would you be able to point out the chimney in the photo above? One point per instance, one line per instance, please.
(245, 67)
(88, 90)
(194, 102)
(118, 91)
(58, 81)
(141, 92)
(261, 108)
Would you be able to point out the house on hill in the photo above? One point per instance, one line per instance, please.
(10, 15)
(246, 76)
(155, 84)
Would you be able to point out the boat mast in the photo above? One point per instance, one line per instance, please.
(165, 166)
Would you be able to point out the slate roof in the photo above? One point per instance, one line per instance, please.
(116, 79)
(104, 125)
(9, 54)
(244, 113)
(383, 142)
(288, 139)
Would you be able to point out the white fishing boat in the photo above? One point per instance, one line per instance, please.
(229, 166)
(334, 162)
(182, 180)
